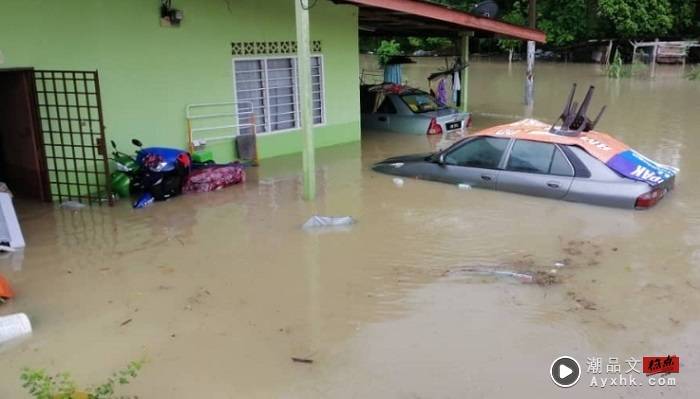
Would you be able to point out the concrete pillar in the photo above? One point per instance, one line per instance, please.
(305, 97)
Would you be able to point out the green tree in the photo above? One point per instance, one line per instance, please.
(516, 16)
(386, 50)
(683, 13)
(634, 18)
(565, 21)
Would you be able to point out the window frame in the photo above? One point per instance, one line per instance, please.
(295, 79)
(549, 172)
(501, 162)
(388, 100)
(419, 93)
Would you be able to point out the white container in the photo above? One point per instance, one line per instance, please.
(14, 326)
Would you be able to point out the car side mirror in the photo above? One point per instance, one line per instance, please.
(441, 159)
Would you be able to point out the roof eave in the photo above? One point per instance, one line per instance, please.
(461, 19)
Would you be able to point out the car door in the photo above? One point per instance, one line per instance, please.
(381, 118)
(536, 168)
(476, 162)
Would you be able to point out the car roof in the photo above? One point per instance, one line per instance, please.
(600, 145)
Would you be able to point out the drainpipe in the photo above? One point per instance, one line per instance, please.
(305, 97)
(464, 83)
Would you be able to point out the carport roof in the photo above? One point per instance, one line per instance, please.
(425, 18)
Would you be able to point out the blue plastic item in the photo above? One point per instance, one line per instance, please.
(144, 200)
(168, 155)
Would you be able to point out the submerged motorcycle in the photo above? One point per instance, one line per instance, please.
(157, 173)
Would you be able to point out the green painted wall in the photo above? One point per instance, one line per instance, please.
(149, 73)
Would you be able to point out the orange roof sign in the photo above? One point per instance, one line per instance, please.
(600, 145)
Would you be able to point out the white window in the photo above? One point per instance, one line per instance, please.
(268, 88)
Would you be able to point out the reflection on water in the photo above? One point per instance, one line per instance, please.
(223, 288)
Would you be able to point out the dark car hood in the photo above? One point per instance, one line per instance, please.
(407, 158)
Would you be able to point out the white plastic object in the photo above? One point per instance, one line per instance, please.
(9, 225)
(398, 182)
(463, 186)
(326, 221)
(73, 205)
(14, 326)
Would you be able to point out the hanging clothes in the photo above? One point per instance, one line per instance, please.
(441, 95)
(392, 74)
(441, 88)
(456, 87)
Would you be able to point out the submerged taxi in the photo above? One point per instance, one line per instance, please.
(571, 161)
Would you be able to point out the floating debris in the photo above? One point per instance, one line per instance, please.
(463, 186)
(302, 360)
(529, 277)
(328, 221)
(73, 205)
(14, 326)
(398, 182)
(582, 302)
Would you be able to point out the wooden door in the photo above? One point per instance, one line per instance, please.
(22, 160)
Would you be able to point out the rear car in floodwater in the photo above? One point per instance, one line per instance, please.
(529, 167)
(403, 109)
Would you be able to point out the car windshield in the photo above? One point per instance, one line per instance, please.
(420, 102)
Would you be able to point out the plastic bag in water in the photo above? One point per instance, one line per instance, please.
(14, 326)
(328, 221)
(146, 199)
(73, 205)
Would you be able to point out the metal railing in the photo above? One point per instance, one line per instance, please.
(208, 117)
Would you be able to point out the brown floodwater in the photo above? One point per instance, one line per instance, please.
(220, 290)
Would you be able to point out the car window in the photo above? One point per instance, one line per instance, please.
(420, 102)
(484, 152)
(535, 157)
(386, 107)
(560, 165)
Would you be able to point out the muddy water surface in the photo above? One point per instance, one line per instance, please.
(219, 291)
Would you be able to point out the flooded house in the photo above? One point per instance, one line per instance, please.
(77, 74)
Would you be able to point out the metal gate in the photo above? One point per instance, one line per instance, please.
(70, 113)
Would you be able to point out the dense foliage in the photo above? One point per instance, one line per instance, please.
(566, 22)
(386, 50)
(570, 21)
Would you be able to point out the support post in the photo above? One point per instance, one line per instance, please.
(529, 73)
(464, 81)
(608, 53)
(654, 51)
(305, 97)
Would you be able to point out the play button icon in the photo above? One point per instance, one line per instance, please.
(565, 371)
